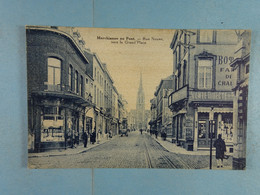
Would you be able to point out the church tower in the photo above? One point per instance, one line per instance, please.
(140, 106)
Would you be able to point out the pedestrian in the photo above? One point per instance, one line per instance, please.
(220, 146)
(72, 138)
(94, 136)
(156, 134)
(98, 136)
(85, 139)
(141, 130)
(110, 134)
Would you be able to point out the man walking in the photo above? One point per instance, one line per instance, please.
(220, 146)
(85, 139)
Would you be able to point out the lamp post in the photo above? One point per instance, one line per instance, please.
(211, 126)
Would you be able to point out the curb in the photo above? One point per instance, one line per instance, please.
(78, 152)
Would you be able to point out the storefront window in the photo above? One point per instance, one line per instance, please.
(226, 127)
(52, 125)
(202, 129)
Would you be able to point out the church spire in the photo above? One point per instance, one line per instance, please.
(141, 82)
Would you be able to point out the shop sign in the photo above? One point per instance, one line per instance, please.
(225, 76)
(211, 96)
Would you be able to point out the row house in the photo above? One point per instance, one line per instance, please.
(108, 91)
(59, 88)
(203, 83)
(160, 106)
(153, 112)
(240, 65)
(122, 113)
(115, 111)
(132, 119)
(98, 96)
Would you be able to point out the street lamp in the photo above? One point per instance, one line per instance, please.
(211, 126)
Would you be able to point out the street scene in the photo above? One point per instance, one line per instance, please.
(135, 151)
(137, 98)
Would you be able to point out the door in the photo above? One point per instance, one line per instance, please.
(204, 131)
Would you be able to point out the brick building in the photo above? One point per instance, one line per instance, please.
(60, 84)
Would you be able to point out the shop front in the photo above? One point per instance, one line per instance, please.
(57, 120)
(221, 119)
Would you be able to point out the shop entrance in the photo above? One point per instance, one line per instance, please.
(204, 130)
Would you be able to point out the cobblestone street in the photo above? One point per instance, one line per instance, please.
(135, 151)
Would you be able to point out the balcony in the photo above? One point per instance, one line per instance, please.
(177, 96)
(51, 87)
(64, 92)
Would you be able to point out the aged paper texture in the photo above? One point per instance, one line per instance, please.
(137, 98)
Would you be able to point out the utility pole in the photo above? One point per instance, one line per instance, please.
(211, 126)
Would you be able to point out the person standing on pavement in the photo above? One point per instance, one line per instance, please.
(98, 136)
(94, 136)
(156, 134)
(220, 146)
(85, 139)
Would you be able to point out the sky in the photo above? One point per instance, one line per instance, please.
(129, 52)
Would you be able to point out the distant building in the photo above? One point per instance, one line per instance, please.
(240, 65)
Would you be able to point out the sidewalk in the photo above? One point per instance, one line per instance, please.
(171, 147)
(69, 151)
(199, 156)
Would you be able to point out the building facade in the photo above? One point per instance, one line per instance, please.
(58, 93)
(70, 91)
(203, 83)
(153, 112)
(240, 65)
(163, 113)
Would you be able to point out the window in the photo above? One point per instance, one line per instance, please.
(179, 77)
(185, 38)
(175, 62)
(205, 73)
(81, 86)
(54, 71)
(179, 55)
(70, 78)
(87, 90)
(206, 36)
(76, 82)
(247, 68)
(176, 83)
(184, 72)
(95, 95)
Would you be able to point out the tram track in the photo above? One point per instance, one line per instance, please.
(147, 156)
(176, 163)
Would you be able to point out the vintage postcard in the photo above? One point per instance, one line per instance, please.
(137, 98)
